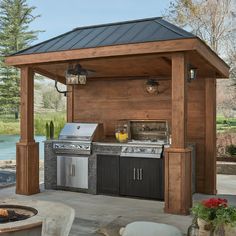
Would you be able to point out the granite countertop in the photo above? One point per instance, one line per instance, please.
(55, 222)
(126, 144)
(113, 142)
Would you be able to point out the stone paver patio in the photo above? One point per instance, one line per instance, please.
(98, 213)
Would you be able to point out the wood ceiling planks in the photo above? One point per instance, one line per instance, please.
(153, 65)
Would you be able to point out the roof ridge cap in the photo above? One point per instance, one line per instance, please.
(173, 30)
(118, 23)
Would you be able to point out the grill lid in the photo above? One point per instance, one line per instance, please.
(78, 131)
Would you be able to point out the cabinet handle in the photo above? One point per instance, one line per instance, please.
(138, 177)
(134, 174)
(141, 174)
(73, 170)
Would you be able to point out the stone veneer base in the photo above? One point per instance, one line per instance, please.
(50, 166)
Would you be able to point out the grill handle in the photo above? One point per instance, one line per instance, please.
(138, 174)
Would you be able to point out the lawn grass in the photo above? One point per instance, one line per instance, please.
(9, 127)
(58, 119)
(225, 124)
(8, 124)
(223, 120)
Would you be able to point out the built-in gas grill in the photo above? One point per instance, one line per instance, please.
(76, 138)
(147, 138)
(143, 149)
(73, 149)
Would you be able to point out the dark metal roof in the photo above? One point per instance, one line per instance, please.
(127, 32)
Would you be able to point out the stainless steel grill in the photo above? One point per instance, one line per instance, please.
(73, 148)
(78, 131)
(148, 138)
(76, 138)
(142, 149)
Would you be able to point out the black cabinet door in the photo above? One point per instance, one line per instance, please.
(141, 177)
(108, 174)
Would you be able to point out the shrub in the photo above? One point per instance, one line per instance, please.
(216, 212)
(58, 119)
(231, 149)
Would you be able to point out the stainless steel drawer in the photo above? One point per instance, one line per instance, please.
(72, 171)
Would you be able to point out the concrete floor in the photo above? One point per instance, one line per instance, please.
(107, 213)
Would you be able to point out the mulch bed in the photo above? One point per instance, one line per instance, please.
(226, 159)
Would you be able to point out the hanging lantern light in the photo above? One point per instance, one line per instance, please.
(152, 86)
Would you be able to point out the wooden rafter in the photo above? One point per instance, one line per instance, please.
(50, 75)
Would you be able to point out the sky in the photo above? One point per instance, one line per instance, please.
(60, 16)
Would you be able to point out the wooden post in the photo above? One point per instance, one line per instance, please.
(179, 101)
(70, 103)
(27, 150)
(210, 141)
(178, 195)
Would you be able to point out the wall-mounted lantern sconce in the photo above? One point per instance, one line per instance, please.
(192, 73)
(152, 86)
(74, 75)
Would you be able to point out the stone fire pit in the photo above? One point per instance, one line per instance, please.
(12, 213)
(35, 218)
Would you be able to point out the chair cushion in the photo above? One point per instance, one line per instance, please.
(143, 228)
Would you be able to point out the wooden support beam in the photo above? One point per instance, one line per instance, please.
(167, 60)
(27, 168)
(27, 151)
(27, 105)
(70, 103)
(179, 100)
(106, 51)
(50, 75)
(170, 46)
(178, 193)
(212, 58)
(210, 132)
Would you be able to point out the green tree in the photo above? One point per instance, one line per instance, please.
(214, 21)
(52, 99)
(15, 35)
(211, 20)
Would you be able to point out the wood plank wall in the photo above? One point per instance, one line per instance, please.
(196, 127)
(109, 100)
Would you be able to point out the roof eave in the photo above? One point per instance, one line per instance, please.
(217, 62)
(169, 46)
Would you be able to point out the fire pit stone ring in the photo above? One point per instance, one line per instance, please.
(37, 217)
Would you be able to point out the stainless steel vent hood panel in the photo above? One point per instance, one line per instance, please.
(78, 131)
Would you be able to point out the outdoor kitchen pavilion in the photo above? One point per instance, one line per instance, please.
(123, 56)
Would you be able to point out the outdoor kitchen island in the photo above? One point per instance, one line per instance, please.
(133, 167)
(110, 173)
(83, 160)
(147, 69)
